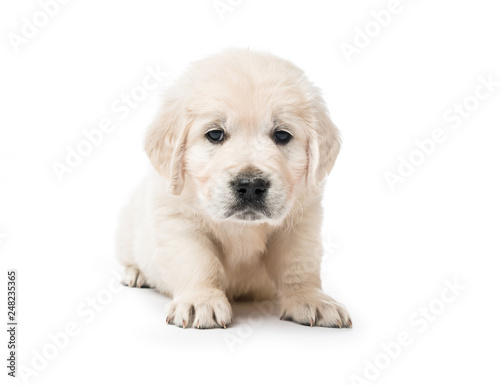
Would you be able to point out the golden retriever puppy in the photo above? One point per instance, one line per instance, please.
(232, 206)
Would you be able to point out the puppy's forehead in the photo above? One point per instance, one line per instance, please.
(248, 88)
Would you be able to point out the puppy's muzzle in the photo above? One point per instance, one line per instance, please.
(250, 191)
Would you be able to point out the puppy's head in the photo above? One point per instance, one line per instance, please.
(248, 132)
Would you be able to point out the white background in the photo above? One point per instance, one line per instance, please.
(388, 252)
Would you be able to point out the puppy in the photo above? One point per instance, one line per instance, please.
(232, 206)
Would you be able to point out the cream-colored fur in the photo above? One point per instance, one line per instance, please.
(178, 234)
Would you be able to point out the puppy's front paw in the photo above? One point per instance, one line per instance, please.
(205, 310)
(314, 308)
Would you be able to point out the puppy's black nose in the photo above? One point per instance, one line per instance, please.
(250, 189)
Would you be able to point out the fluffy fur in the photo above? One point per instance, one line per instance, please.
(183, 232)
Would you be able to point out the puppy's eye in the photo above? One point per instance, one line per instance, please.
(282, 137)
(215, 136)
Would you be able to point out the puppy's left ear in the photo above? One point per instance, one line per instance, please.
(166, 141)
(324, 144)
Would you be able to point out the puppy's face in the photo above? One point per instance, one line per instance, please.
(248, 132)
(246, 168)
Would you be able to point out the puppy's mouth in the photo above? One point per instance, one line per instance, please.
(248, 211)
(253, 213)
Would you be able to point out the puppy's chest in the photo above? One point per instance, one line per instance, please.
(242, 249)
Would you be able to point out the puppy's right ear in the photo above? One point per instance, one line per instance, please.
(324, 145)
(166, 143)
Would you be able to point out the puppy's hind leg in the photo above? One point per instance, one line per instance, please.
(133, 277)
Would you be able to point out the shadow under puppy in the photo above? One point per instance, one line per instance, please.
(232, 206)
